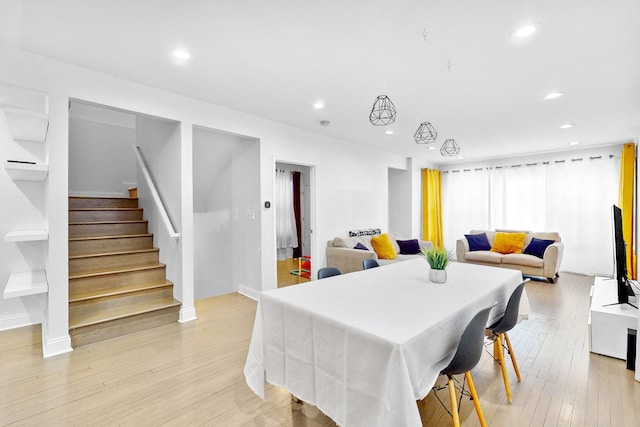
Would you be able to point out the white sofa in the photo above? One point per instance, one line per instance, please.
(342, 255)
(547, 266)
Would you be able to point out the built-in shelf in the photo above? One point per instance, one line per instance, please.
(26, 236)
(27, 283)
(26, 125)
(26, 171)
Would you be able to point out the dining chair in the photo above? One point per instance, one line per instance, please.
(328, 272)
(369, 263)
(499, 334)
(466, 358)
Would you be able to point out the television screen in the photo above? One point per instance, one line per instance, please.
(620, 250)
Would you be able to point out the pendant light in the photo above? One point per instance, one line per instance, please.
(450, 148)
(383, 112)
(426, 134)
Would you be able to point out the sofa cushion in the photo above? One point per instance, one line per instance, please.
(360, 246)
(537, 247)
(478, 242)
(394, 242)
(484, 256)
(508, 243)
(522, 259)
(383, 247)
(409, 247)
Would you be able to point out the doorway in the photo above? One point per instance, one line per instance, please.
(294, 230)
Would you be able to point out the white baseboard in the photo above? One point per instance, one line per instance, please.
(249, 292)
(55, 346)
(187, 314)
(20, 320)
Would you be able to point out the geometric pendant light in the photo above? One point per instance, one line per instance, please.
(425, 134)
(450, 148)
(383, 112)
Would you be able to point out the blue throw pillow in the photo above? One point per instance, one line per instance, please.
(537, 247)
(409, 247)
(478, 242)
(361, 247)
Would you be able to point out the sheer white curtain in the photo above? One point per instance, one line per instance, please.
(517, 201)
(572, 197)
(579, 196)
(286, 235)
(465, 204)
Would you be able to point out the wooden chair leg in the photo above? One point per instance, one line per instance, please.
(454, 403)
(476, 401)
(503, 366)
(513, 356)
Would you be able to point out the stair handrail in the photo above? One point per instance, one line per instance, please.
(154, 194)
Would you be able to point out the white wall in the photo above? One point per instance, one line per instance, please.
(101, 160)
(159, 141)
(226, 212)
(400, 214)
(351, 181)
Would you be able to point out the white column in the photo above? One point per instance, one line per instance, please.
(188, 310)
(55, 326)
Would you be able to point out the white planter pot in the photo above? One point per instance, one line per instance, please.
(437, 276)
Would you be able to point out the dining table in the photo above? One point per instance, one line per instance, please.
(363, 347)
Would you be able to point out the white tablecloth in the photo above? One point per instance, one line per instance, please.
(364, 346)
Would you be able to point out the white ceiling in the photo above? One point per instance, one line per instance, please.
(276, 58)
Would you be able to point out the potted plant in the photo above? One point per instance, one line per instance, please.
(438, 260)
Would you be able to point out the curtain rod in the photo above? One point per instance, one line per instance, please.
(578, 159)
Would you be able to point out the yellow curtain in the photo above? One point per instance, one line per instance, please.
(432, 206)
(626, 202)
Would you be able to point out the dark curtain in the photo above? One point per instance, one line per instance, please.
(297, 252)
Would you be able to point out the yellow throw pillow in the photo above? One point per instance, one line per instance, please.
(383, 246)
(508, 243)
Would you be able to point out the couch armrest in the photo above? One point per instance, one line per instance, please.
(347, 260)
(462, 247)
(552, 258)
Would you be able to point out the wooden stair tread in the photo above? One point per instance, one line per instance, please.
(102, 198)
(106, 208)
(102, 254)
(131, 221)
(121, 311)
(113, 236)
(116, 283)
(114, 271)
(89, 294)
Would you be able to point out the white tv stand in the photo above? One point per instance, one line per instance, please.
(609, 323)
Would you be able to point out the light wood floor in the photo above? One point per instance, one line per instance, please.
(191, 374)
(285, 278)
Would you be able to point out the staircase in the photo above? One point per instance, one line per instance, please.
(116, 283)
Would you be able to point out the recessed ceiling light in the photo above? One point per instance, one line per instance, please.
(525, 31)
(566, 126)
(181, 54)
(461, 157)
(318, 105)
(431, 148)
(574, 143)
(554, 95)
(388, 132)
